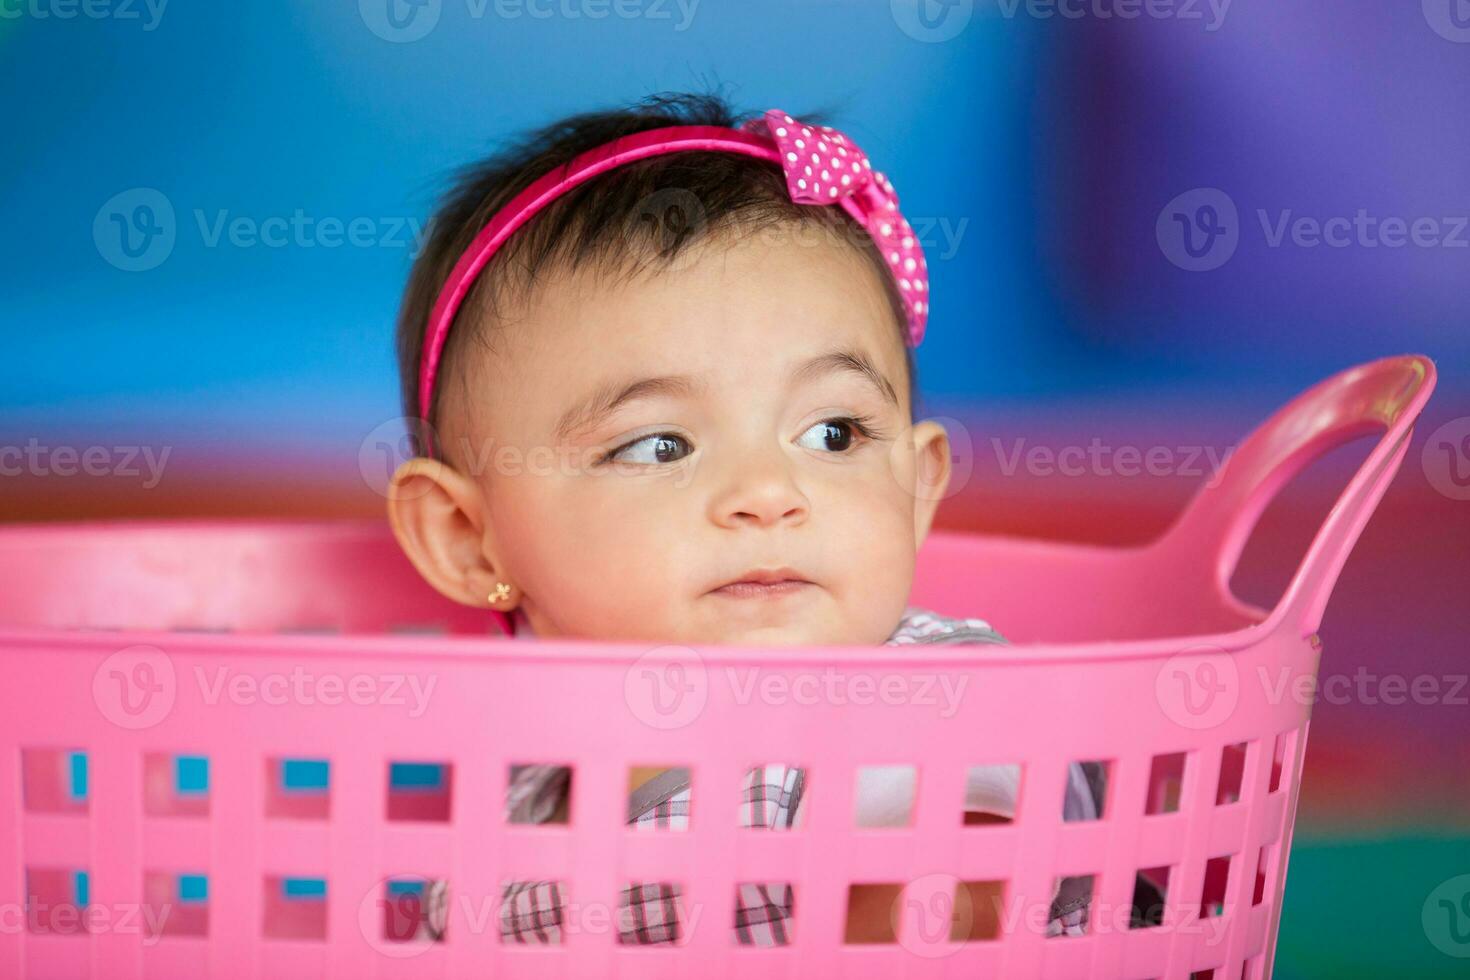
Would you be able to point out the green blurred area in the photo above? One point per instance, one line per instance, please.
(1355, 908)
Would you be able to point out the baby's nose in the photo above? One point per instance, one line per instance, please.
(760, 493)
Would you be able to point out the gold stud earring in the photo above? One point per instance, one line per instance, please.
(502, 591)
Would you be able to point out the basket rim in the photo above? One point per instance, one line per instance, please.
(574, 650)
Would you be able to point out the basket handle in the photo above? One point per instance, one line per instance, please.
(1388, 395)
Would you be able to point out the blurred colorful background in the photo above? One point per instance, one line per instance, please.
(1148, 225)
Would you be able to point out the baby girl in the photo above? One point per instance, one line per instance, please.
(695, 341)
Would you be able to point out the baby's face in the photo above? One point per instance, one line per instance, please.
(728, 451)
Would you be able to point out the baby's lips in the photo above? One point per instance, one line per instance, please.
(764, 575)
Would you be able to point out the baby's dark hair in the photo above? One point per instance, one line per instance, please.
(636, 216)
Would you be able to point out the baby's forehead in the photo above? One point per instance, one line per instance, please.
(768, 289)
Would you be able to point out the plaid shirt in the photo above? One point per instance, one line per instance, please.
(651, 912)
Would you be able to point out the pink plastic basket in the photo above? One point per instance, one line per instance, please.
(138, 644)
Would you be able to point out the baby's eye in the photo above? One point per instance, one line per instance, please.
(833, 434)
(663, 448)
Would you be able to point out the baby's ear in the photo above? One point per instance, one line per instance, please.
(438, 518)
(931, 473)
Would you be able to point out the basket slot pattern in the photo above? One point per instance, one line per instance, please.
(1206, 869)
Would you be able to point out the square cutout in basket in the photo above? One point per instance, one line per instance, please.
(660, 797)
(531, 912)
(884, 796)
(295, 908)
(420, 791)
(764, 913)
(1263, 865)
(992, 794)
(1232, 773)
(1165, 783)
(1071, 908)
(414, 910)
(870, 913)
(298, 789)
(54, 780)
(175, 904)
(1278, 759)
(979, 911)
(538, 793)
(651, 913)
(1085, 795)
(175, 785)
(56, 901)
(1217, 878)
(1150, 893)
(771, 795)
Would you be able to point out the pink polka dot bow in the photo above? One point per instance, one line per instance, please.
(824, 166)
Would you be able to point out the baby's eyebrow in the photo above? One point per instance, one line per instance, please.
(590, 411)
(597, 406)
(846, 359)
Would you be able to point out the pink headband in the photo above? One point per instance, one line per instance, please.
(822, 166)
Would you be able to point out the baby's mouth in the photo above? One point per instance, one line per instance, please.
(772, 583)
